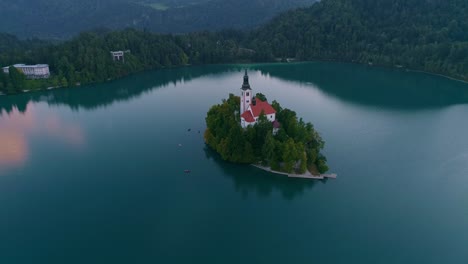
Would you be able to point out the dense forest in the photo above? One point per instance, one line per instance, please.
(427, 35)
(294, 149)
(87, 58)
(62, 19)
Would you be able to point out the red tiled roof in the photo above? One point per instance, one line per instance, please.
(261, 105)
(248, 117)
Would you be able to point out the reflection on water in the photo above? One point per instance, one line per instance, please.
(101, 165)
(13, 149)
(374, 86)
(102, 95)
(249, 179)
(357, 84)
(67, 132)
(18, 126)
(13, 138)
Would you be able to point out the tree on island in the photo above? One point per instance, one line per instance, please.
(294, 149)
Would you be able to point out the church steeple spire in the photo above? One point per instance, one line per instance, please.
(246, 94)
(246, 85)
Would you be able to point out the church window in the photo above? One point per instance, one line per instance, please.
(247, 93)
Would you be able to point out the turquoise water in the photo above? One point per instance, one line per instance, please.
(96, 175)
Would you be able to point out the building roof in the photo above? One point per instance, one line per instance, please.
(262, 106)
(20, 65)
(248, 117)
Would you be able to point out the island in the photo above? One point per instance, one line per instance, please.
(247, 129)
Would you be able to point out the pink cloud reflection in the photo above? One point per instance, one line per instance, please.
(67, 132)
(13, 149)
(16, 129)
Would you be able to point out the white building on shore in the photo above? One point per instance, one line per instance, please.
(38, 71)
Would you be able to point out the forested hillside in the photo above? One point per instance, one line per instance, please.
(429, 35)
(65, 18)
(87, 58)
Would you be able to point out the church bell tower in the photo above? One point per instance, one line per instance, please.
(246, 94)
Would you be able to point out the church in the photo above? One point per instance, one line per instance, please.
(251, 107)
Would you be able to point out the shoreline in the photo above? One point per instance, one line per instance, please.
(96, 82)
(306, 175)
(439, 75)
(299, 61)
(394, 67)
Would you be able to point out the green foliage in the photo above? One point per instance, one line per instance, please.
(224, 133)
(322, 164)
(261, 97)
(17, 79)
(268, 149)
(87, 59)
(433, 38)
(15, 82)
(63, 82)
(416, 34)
(286, 152)
(276, 106)
(3, 82)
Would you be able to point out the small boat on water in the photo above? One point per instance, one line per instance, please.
(187, 171)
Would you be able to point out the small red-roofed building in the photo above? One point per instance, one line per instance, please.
(251, 108)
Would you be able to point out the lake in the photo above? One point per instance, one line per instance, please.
(95, 174)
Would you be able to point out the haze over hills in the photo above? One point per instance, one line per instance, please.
(66, 18)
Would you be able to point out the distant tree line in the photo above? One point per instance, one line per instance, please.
(295, 148)
(87, 58)
(427, 35)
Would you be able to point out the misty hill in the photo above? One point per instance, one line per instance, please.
(65, 18)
